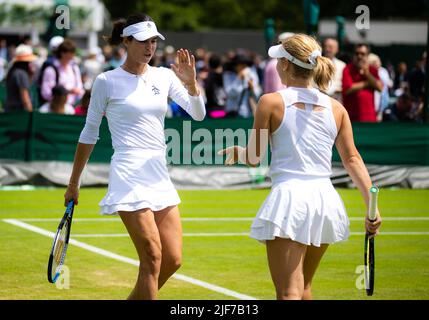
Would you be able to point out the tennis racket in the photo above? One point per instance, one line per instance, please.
(59, 246)
(369, 254)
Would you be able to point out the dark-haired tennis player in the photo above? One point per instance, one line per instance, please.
(303, 213)
(133, 97)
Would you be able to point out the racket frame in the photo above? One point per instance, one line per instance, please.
(67, 218)
(369, 251)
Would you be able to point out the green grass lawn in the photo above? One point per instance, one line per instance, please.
(235, 262)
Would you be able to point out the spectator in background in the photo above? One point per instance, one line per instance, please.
(4, 52)
(258, 66)
(417, 79)
(242, 88)
(116, 59)
(202, 74)
(201, 58)
(402, 110)
(58, 103)
(63, 71)
(42, 54)
(26, 40)
(215, 92)
(169, 56)
(91, 67)
(18, 80)
(53, 45)
(400, 84)
(381, 98)
(360, 81)
(4, 58)
(3, 67)
(82, 108)
(330, 50)
(272, 82)
(107, 52)
(11, 51)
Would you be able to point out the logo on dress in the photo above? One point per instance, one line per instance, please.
(155, 90)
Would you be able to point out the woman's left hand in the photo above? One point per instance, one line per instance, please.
(184, 68)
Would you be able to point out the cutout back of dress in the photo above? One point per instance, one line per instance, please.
(302, 144)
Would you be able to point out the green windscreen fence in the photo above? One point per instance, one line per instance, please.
(50, 137)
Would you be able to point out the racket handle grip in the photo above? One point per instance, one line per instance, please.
(70, 205)
(373, 198)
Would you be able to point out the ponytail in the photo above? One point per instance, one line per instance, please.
(302, 47)
(323, 73)
(115, 38)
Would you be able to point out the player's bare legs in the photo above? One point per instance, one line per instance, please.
(144, 232)
(170, 232)
(311, 262)
(286, 262)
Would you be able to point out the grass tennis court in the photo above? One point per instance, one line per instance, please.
(217, 249)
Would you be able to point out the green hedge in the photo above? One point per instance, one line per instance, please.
(49, 137)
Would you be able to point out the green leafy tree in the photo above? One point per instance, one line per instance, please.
(209, 14)
(288, 15)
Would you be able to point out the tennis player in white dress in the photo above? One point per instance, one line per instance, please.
(134, 98)
(303, 213)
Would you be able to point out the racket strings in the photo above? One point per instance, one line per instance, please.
(60, 246)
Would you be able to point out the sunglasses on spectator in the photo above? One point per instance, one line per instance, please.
(359, 53)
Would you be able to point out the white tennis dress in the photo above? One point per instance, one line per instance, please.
(303, 204)
(135, 108)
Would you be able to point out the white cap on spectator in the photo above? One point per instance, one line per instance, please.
(169, 49)
(142, 31)
(24, 53)
(55, 42)
(283, 36)
(94, 51)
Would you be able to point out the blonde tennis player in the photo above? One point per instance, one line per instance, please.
(133, 97)
(303, 213)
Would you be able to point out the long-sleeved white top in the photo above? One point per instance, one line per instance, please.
(135, 107)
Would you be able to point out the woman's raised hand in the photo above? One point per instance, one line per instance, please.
(184, 68)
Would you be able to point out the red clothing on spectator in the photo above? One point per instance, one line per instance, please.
(360, 105)
(80, 111)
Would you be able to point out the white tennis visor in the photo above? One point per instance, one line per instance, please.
(279, 51)
(142, 31)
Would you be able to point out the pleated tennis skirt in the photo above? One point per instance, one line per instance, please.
(138, 179)
(307, 210)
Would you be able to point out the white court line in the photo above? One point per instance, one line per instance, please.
(208, 219)
(134, 262)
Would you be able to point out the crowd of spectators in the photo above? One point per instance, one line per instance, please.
(61, 77)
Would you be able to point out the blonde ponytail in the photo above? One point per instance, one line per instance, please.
(323, 73)
(302, 46)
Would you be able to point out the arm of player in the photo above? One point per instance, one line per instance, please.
(256, 149)
(353, 163)
(88, 137)
(82, 154)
